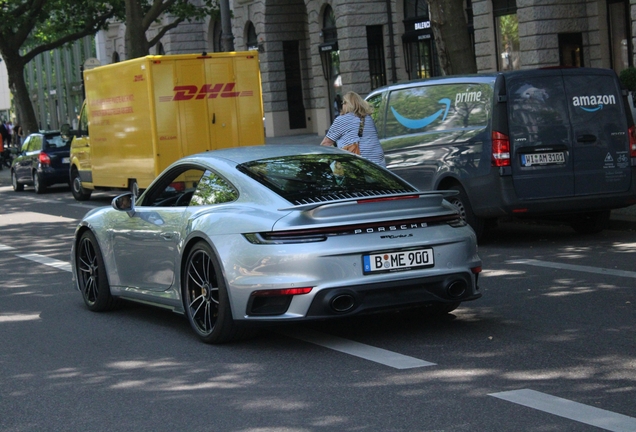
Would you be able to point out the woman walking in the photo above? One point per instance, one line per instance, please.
(355, 125)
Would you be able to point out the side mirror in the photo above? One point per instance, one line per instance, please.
(125, 202)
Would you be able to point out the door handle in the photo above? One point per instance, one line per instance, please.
(167, 236)
(213, 118)
(586, 138)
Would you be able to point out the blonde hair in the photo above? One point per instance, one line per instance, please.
(353, 103)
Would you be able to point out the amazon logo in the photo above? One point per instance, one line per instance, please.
(423, 122)
(593, 103)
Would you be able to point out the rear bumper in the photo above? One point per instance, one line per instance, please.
(352, 300)
(500, 199)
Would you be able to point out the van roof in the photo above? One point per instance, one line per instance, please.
(490, 77)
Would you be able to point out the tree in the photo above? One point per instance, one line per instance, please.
(141, 14)
(31, 27)
(452, 40)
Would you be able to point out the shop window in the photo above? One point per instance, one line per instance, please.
(330, 59)
(293, 82)
(375, 46)
(619, 36)
(507, 34)
(571, 49)
(418, 40)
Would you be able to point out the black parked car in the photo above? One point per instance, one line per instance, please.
(42, 162)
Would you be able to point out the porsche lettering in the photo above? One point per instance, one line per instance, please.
(390, 228)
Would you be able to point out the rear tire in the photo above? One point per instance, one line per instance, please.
(205, 297)
(38, 183)
(79, 193)
(462, 203)
(17, 186)
(591, 223)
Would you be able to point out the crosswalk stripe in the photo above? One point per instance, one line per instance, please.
(367, 352)
(62, 265)
(587, 269)
(579, 412)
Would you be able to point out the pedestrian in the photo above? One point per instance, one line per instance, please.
(355, 125)
(6, 138)
(18, 136)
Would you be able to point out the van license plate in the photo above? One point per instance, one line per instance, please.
(398, 261)
(542, 158)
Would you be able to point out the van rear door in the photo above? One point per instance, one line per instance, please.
(601, 141)
(540, 135)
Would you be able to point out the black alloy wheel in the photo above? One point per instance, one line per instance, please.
(205, 297)
(91, 274)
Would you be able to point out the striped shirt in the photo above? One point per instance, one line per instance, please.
(344, 131)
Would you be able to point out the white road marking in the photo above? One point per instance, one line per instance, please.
(571, 410)
(367, 352)
(5, 248)
(587, 269)
(62, 265)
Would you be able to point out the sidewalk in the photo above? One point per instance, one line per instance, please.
(621, 219)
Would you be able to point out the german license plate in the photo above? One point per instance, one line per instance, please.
(542, 158)
(398, 261)
(66, 160)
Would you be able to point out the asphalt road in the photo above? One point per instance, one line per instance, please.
(551, 346)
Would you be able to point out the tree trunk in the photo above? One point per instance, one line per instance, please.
(136, 42)
(21, 98)
(452, 40)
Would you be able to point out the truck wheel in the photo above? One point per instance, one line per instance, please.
(134, 188)
(466, 211)
(79, 193)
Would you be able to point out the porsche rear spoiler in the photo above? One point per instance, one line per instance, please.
(370, 198)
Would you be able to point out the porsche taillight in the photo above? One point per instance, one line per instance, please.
(500, 149)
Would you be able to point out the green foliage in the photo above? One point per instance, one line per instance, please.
(628, 78)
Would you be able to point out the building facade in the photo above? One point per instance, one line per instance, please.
(312, 51)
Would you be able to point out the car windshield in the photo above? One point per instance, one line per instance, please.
(303, 179)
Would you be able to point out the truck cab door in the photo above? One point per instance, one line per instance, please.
(81, 148)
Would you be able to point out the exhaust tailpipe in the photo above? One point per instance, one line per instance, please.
(456, 288)
(342, 302)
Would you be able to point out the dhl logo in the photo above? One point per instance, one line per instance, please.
(209, 91)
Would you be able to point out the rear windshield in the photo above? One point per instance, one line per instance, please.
(303, 179)
(55, 141)
(438, 107)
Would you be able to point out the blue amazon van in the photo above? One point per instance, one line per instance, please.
(544, 143)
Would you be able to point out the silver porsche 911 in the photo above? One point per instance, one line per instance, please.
(240, 236)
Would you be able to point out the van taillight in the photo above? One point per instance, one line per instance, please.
(632, 141)
(500, 149)
(44, 159)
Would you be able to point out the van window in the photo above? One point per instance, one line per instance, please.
(537, 110)
(436, 108)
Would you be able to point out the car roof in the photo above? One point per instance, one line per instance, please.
(241, 155)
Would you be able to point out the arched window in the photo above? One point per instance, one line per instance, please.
(115, 57)
(252, 39)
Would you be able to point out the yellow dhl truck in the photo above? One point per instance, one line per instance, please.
(141, 115)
